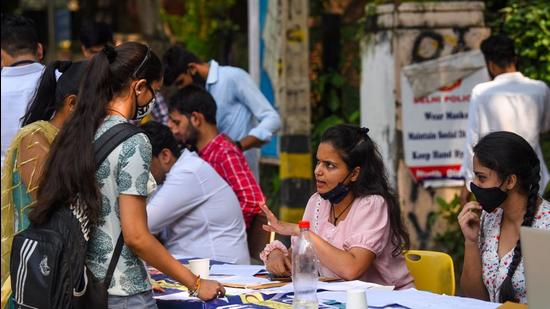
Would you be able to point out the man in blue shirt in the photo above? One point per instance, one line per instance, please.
(244, 114)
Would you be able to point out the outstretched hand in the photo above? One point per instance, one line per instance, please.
(279, 227)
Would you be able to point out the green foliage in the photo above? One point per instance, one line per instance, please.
(202, 25)
(528, 23)
(450, 240)
(339, 103)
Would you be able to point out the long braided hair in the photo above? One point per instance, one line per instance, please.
(509, 154)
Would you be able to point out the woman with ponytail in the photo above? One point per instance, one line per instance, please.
(53, 102)
(119, 84)
(506, 186)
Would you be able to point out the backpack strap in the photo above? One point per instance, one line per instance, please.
(114, 261)
(103, 146)
(109, 140)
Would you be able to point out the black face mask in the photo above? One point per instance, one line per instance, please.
(337, 194)
(198, 80)
(488, 198)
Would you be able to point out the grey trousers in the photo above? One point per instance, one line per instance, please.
(141, 300)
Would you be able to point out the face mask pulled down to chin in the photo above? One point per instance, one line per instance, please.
(337, 194)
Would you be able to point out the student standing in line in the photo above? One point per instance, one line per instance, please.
(21, 71)
(52, 105)
(119, 85)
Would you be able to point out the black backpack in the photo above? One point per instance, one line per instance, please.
(47, 265)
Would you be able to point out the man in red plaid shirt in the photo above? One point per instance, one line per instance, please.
(192, 120)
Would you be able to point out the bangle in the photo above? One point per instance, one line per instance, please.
(238, 144)
(270, 247)
(195, 292)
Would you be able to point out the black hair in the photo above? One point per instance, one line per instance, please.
(499, 49)
(19, 35)
(194, 98)
(51, 93)
(70, 170)
(176, 60)
(358, 150)
(161, 137)
(95, 34)
(507, 154)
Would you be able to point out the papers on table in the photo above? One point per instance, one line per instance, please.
(243, 280)
(411, 298)
(236, 270)
(334, 287)
(355, 284)
(253, 283)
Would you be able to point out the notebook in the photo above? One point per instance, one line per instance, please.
(535, 246)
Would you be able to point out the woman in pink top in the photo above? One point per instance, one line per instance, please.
(356, 220)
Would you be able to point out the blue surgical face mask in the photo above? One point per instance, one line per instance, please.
(489, 198)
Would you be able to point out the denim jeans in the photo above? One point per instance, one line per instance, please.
(141, 300)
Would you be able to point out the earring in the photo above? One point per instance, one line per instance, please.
(138, 92)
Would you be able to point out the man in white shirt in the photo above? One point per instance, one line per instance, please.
(194, 211)
(510, 102)
(20, 73)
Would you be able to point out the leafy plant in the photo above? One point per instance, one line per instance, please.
(203, 25)
(450, 240)
(528, 23)
(338, 103)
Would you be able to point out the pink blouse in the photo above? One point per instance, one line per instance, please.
(366, 226)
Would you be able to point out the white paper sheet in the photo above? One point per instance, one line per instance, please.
(413, 298)
(247, 280)
(236, 270)
(355, 284)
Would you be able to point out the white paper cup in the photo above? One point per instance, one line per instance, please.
(200, 267)
(356, 299)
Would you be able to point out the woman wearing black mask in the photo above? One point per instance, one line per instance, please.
(356, 225)
(506, 185)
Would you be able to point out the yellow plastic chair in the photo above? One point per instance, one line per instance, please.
(432, 271)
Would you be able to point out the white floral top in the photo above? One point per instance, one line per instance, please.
(494, 271)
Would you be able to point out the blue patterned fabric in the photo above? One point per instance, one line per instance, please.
(125, 171)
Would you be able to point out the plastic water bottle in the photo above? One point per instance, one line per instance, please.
(304, 271)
